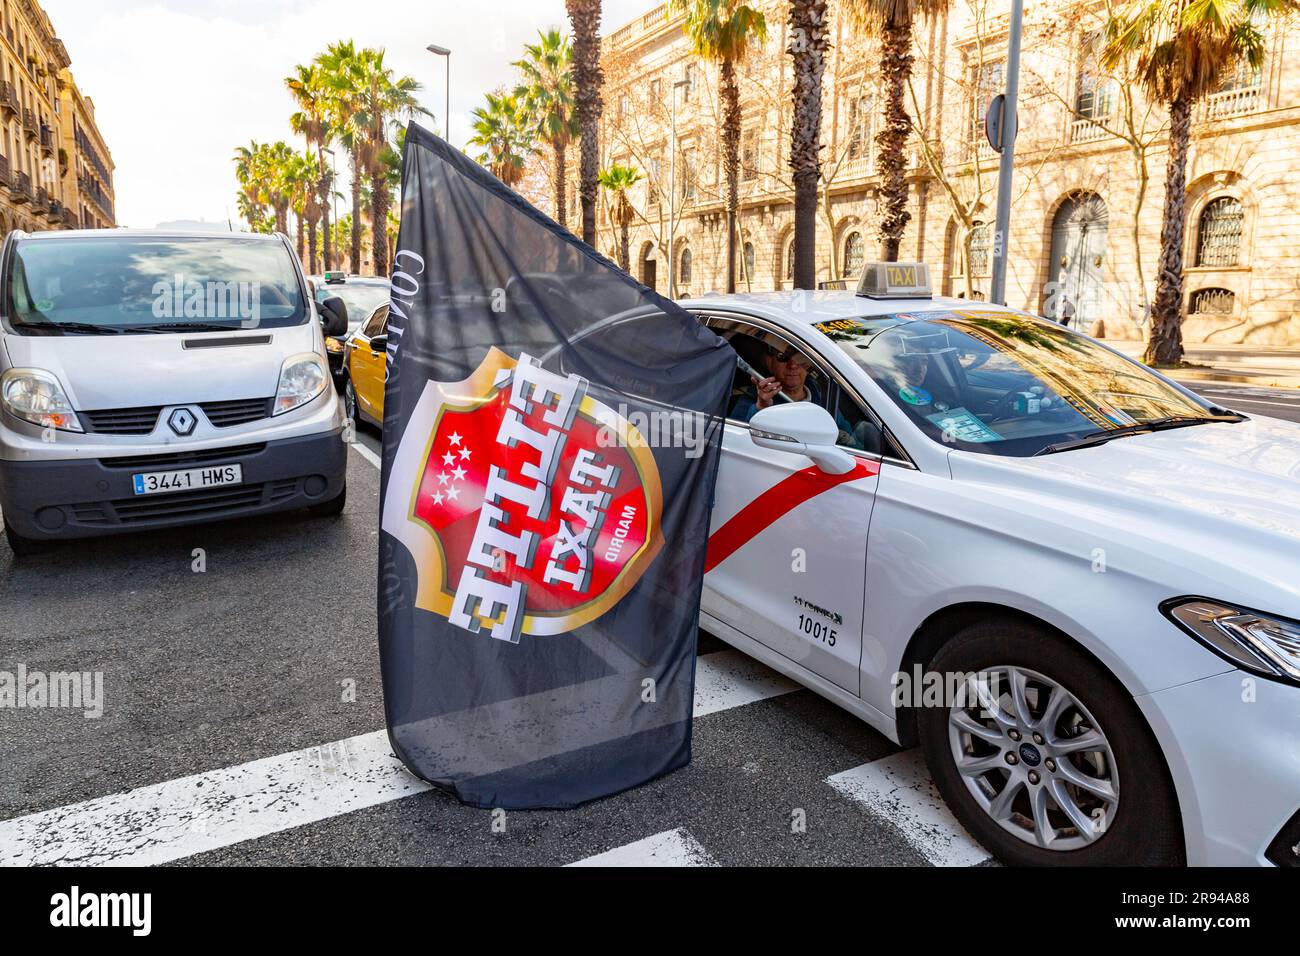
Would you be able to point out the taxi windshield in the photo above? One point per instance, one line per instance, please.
(1004, 383)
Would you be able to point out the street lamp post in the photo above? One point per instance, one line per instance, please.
(672, 188)
(442, 51)
(1001, 231)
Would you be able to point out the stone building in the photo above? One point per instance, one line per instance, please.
(47, 132)
(1090, 171)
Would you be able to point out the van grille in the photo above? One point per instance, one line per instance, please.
(122, 421)
(181, 459)
(237, 412)
(180, 505)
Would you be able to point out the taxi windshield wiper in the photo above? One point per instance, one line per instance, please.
(1139, 428)
(76, 328)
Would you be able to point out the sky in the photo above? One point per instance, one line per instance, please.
(179, 84)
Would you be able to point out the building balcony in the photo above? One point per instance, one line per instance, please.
(47, 140)
(21, 190)
(1086, 131)
(40, 201)
(55, 212)
(1227, 103)
(30, 126)
(69, 218)
(9, 105)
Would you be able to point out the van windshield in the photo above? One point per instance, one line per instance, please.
(145, 284)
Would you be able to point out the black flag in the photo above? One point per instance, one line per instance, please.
(551, 440)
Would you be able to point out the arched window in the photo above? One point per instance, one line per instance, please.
(789, 260)
(1218, 240)
(684, 268)
(1212, 302)
(854, 254)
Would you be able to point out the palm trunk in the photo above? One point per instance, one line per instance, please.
(891, 141)
(311, 245)
(297, 228)
(323, 189)
(584, 15)
(730, 93)
(808, 42)
(281, 219)
(1165, 345)
(624, 220)
(379, 218)
(356, 210)
(560, 204)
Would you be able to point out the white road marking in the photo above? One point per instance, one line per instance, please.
(899, 789)
(366, 453)
(670, 848)
(179, 818)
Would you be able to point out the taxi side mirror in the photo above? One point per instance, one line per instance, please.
(801, 428)
(379, 343)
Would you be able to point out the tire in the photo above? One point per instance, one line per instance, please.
(350, 401)
(331, 508)
(22, 546)
(1141, 827)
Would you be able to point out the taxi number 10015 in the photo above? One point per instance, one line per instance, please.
(817, 630)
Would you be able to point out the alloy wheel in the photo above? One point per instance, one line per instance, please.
(1034, 758)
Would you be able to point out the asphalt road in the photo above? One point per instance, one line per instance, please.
(242, 723)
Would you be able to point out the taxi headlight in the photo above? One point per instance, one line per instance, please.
(302, 378)
(36, 396)
(1256, 642)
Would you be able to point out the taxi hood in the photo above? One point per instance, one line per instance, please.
(132, 370)
(1220, 494)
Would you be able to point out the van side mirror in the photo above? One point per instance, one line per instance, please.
(334, 316)
(801, 428)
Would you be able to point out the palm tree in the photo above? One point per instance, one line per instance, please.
(1183, 50)
(721, 31)
(308, 87)
(338, 66)
(384, 100)
(250, 176)
(260, 170)
(618, 180)
(547, 94)
(298, 186)
(502, 130)
(893, 20)
(809, 40)
(584, 17)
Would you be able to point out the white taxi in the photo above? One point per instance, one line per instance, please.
(1072, 581)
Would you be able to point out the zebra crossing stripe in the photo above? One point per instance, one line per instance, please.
(670, 848)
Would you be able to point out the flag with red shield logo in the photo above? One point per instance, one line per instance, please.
(551, 438)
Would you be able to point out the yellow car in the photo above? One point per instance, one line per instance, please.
(363, 370)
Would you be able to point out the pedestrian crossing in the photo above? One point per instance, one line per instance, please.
(176, 819)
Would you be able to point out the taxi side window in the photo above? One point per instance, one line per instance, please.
(376, 324)
(858, 429)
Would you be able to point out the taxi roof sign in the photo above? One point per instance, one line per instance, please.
(335, 276)
(896, 280)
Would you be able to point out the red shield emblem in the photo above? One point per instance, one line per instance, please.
(530, 507)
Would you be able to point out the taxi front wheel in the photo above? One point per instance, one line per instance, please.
(1043, 757)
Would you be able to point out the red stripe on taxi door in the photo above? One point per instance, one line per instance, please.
(782, 498)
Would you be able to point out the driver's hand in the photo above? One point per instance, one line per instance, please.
(767, 390)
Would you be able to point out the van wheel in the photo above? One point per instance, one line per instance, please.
(328, 509)
(20, 545)
(1048, 761)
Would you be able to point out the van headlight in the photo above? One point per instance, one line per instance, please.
(302, 378)
(1255, 642)
(36, 396)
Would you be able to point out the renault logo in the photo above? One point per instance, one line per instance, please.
(182, 421)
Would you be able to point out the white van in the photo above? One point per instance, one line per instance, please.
(152, 379)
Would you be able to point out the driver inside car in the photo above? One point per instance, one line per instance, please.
(789, 375)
